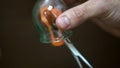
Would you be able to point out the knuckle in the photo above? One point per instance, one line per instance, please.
(79, 12)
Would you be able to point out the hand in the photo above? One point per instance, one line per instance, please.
(106, 14)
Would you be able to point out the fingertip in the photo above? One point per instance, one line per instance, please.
(63, 22)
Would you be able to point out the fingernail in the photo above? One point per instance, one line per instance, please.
(63, 22)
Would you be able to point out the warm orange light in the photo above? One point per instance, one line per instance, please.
(48, 24)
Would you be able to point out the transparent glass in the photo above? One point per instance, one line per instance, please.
(44, 15)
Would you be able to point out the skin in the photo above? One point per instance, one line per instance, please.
(105, 13)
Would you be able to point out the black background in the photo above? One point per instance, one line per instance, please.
(21, 47)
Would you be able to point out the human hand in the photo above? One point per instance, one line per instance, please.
(106, 13)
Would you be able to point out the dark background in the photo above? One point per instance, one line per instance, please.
(20, 46)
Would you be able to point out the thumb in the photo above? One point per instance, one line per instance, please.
(76, 15)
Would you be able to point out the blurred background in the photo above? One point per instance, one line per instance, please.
(20, 46)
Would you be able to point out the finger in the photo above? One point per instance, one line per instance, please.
(75, 16)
